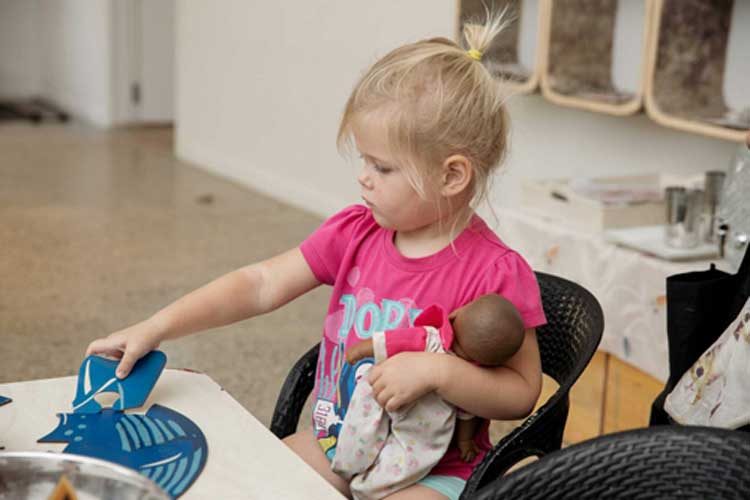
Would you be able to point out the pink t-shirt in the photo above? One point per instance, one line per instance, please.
(376, 288)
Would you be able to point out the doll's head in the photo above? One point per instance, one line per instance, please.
(488, 330)
(437, 106)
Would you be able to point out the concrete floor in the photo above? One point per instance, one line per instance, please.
(100, 229)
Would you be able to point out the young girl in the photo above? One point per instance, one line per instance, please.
(429, 123)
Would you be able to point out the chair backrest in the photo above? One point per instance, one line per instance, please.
(657, 462)
(573, 331)
(566, 344)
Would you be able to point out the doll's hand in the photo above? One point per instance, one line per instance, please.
(404, 378)
(128, 345)
(469, 450)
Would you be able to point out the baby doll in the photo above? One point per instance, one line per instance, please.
(379, 460)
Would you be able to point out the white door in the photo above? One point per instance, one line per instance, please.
(144, 61)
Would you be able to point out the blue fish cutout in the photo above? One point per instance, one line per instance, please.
(163, 445)
(4, 400)
(97, 375)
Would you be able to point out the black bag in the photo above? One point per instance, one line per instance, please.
(700, 306)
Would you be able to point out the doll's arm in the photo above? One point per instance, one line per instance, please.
(360, 350)
(466, 429)
(403, 340)
(383, 345)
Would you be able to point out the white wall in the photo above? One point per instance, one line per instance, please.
(261, 86)
(19, 49)
(75, 47)
(552, 141)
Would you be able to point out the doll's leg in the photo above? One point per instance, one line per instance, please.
(362, 434)
(418, 440)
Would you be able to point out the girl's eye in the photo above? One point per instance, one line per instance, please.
(378, 168)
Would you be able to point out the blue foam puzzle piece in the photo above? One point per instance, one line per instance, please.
(4, 400)
(163, 445)
(97, 375)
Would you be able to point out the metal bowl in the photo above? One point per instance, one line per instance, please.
(34, 475)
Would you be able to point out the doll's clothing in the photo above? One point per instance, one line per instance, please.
(382, 452)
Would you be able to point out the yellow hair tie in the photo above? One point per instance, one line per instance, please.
(474, 54)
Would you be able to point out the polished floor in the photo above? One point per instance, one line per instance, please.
(98, 230)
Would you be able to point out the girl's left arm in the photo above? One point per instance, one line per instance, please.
(507, 392)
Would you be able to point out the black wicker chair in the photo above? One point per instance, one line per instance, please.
(567, 342)
(653, 463)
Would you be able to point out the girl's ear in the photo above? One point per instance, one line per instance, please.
(457, 174)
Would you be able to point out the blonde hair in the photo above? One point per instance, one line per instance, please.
(435, 101)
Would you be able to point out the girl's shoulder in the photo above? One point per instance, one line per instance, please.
(507, 273)
(496, 251)
(499, 260)
(350, 224)
(352, 219)
(355, 210)
(327, 246)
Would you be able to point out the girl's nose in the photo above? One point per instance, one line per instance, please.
(364, 179)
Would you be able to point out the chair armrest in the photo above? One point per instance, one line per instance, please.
(297, 387)
(539, 434)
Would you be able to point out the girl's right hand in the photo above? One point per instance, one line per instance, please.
(128, 345)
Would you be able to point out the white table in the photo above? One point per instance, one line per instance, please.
(245, 460)
(630, 286)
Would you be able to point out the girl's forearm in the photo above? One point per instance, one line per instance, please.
(241, 294)
(228, 299)
(495, 393)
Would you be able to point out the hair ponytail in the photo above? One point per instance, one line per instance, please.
(479, 35)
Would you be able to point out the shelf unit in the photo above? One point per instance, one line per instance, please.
(594, 52)
(699, 67)
(685, 61)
